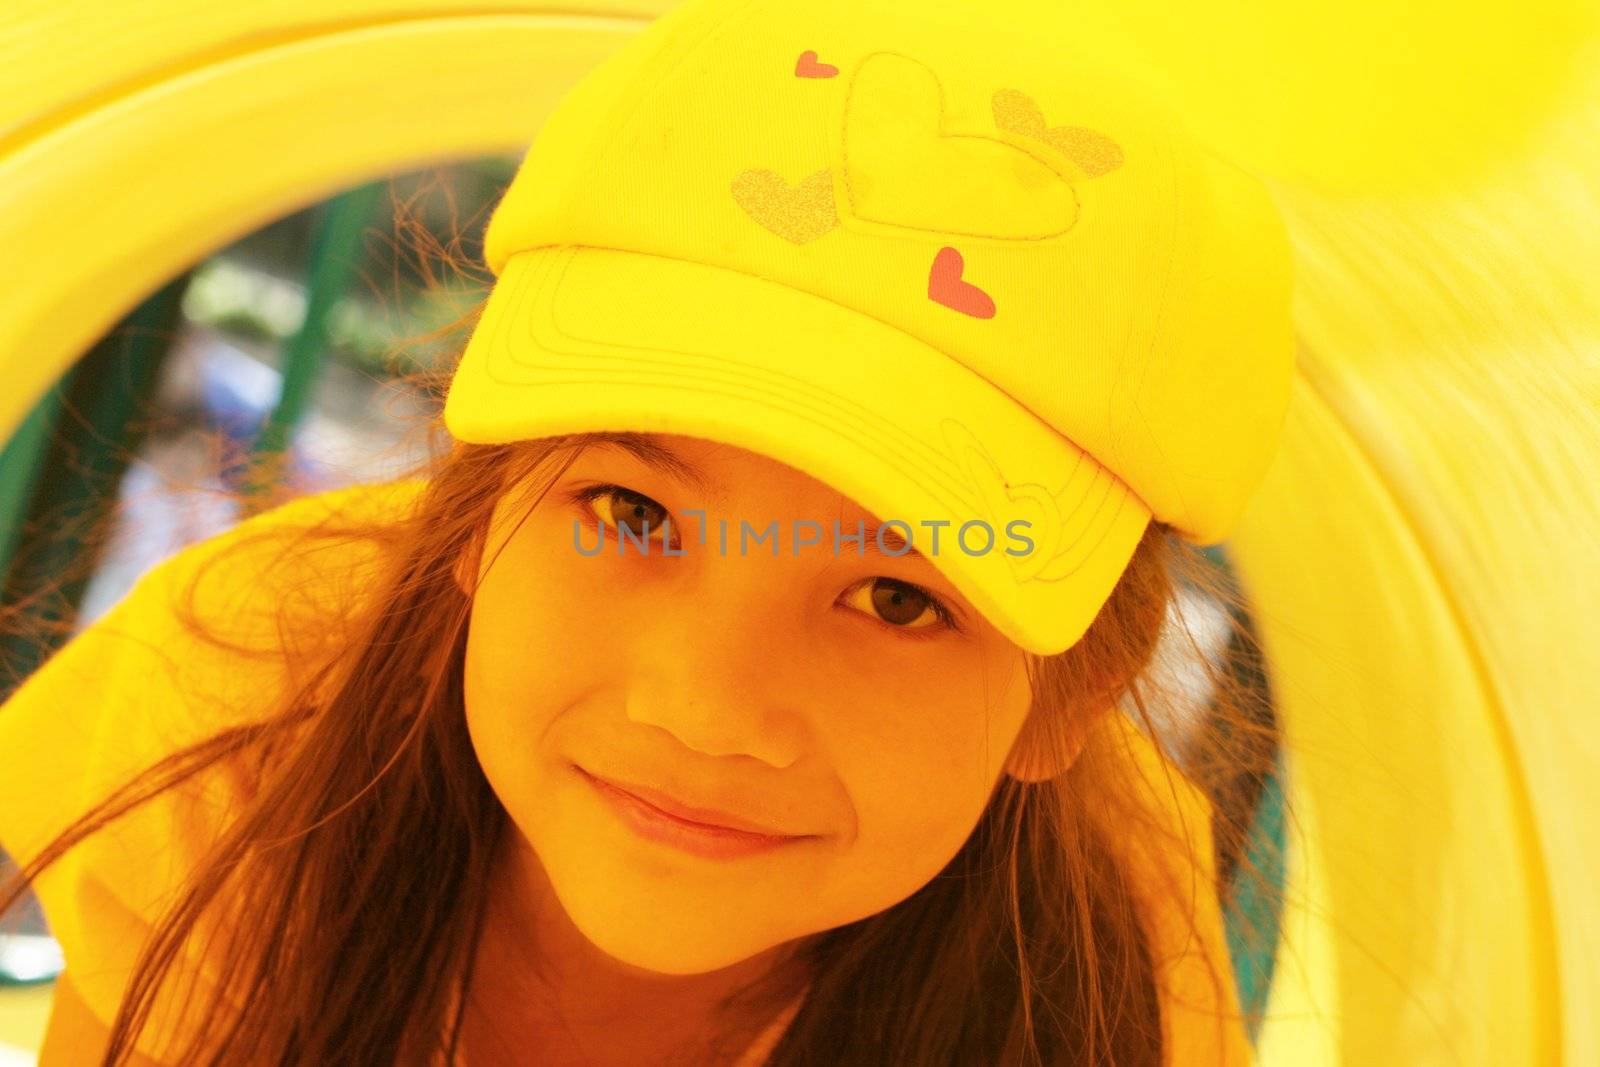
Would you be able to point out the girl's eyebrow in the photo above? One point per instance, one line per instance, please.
(892, 539)
(654, 453)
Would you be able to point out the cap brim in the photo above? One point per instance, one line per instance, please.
(577, 339)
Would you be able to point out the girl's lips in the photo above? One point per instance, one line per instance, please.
(649, 821)
(664, 802)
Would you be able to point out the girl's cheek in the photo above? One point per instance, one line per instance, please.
(906, 833)
(554, 598)
(920, 793)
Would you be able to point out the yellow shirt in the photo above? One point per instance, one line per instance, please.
(136, 685)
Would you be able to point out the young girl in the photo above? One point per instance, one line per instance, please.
(763, 676)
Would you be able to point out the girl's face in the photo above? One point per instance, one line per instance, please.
(819, 695)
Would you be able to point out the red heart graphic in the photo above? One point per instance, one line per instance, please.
(808, 67)
(946, 287)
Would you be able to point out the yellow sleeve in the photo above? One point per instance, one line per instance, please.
(133, 686)
(98, 711)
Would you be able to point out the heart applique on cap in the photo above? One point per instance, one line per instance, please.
(945, 286)
(905, 165)
(808, 66)
(1001, 503)
(797, 213)
(1092, 152)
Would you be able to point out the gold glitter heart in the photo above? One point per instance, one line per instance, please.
(1094, 153)
(797, 213)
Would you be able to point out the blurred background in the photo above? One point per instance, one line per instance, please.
(288, 341)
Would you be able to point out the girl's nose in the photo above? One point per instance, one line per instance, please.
(717, 673)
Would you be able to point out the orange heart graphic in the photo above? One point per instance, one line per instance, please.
(945, 286)
(1094, 153)
(799, 213)
(808, 67)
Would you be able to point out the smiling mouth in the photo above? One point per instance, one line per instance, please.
(703, 839)
(689, 814)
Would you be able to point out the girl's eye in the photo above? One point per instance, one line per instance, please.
(901, 603)
(898, 603)
(623, 508)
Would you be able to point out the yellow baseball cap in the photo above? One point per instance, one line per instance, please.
(939, 255)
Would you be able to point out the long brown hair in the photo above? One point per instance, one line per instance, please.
(343, 904)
